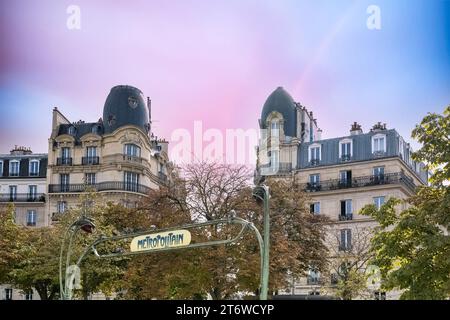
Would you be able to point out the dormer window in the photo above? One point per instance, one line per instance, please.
(14, 168)
(34, 168)
(345, 149)
(315, 153)
(72, 131)
(378, 143)
(275, 128)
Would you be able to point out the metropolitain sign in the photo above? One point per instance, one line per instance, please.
(162, 240)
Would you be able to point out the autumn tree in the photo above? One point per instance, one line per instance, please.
(212, 191)
(348, 262)
(412, 248)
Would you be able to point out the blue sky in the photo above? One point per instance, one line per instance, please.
(217, 61)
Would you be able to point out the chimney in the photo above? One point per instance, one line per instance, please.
(379, 127)
(19, 150)
(355, 129)
(319, 135)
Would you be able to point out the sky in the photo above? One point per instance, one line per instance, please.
(217, 62)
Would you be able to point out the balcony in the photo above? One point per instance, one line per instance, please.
(283, 168)
(22, 197)
(102, 186)
(358, 182)
(85, 161)
(345, 157)
(134, 159)
(313, 280)
(64, 161)
(346, 217)
(162, 176)
(314, 162)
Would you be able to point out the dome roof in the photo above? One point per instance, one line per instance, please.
(125, 105)
(281, 101)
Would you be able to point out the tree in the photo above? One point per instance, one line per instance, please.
(412, 248)
(211, 191)
(348, 264)
(12, 245)
(37, 266)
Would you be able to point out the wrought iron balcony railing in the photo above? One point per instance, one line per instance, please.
(313, 280)
(64, 161)
(366, 181)
(89, 161)
(22, 197)
(346, 217)
(132, 158)
(102, 186)
(162, 176)
(282, 168)
(345, 157)
(314, 162)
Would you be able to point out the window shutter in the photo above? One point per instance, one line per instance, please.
(342, 244)
(342, 208)
(349, 238)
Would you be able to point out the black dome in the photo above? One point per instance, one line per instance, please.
(125, 105)
(281, 101)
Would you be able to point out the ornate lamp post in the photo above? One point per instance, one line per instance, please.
(85, 224)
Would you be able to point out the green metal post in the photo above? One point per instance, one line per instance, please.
(265, 275)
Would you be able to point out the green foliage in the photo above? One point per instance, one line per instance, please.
(412, 248)
(434, 134)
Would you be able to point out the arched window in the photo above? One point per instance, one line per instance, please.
(275, 128)
(132, 150)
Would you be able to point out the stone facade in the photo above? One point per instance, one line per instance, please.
(341, 175)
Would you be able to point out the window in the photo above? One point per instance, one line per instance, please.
(314, 179)
(65, 156)
(14, 168)
(315, 208)
(314, 182)
(314, 153)
(29, 295)
(274, 159)
(132, 150)
(34, 168)
(64, 182)
(346, 210)
(61, 207)
(400, 147)
(379, 295)
(345, 149)
(1, 168)
(345, 178)
(90, 178)
(379, 143)
(378, 173)
(313, 276)
(32, 193)
(72, 131)
(8, 294)
(378, 201)
(31, 218)
(12, 193)
(131, 181)
(275, 128)
(346, 240)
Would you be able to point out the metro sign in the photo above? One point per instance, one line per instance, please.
(162, 240)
